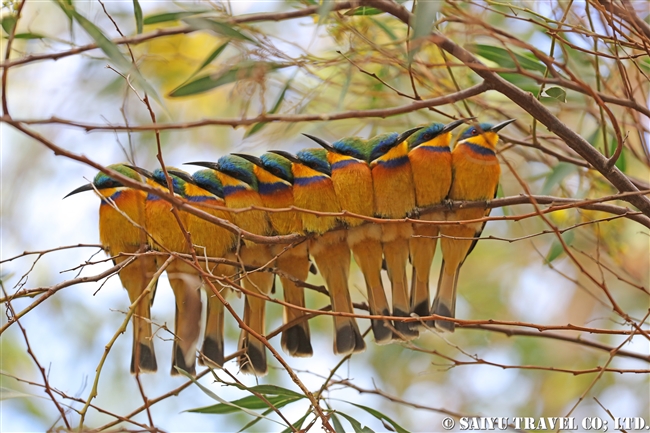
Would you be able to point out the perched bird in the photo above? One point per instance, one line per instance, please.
(203, 190)
(240, 190)
(395, 198)
(185, 281)
(313, 189)
(476, 172)
(430, 159)
(352, 179)
(121, 231)
(275, 181)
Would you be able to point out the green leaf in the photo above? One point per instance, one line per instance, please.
(385, 28)
(504, 58)
(274, 390)
(242, 71)
(170, 16)
(555, 92)
(556, 247)
(338, 427)
(29, 36)
(557, 174)
(356, 425)
(137, 10)
(8, 23)
(258, 126)
(324, 10)
(211, 57)
(425, 13)
(364, 10)
(217, 27)
(296, 425)
(398, 428)
(251, 402)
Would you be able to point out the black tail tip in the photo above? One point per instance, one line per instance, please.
(440, 309)
(348, 339)
(212, 353)
(146, 359)
(253, 361)
(404, 330)
(422, 310)
(179, 362)
(381, 329)
(296, 342)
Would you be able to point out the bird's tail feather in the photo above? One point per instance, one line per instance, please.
(213, 340)
(185, 283)
(296, 340)
(397, 253)
(369, 255)
(253, 361)
(444, 303)
(135, 278)
(332, 257)
(422, 253)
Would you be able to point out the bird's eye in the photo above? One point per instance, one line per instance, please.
(428, 136)
(474, 131)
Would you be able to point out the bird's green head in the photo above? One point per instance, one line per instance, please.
(179, 179)
(208, 180)
(239, 168)
(316, 159)
(277, 165)
(381, 144)
(483, 134)
(103, 181)
(436, 134)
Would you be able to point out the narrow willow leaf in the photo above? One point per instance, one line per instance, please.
(170, 16)
(258, 126)
(242, 71)
(398, 428)
(425, 13)
(324, 10)
(556, 247)
(29, 36)
(555, 92)
(8, 23)
(137, 10)
(385, 28)
(217, 27)
(296, 425)
(338, 427)
(213, 55)
(504, 58)
(274, 390)
(557, 174)
(356, 425)
(251, 402)
(364, 10)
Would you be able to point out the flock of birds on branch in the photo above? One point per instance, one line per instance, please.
(387, 176)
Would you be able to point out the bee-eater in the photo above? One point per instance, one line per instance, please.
(352, 179)
(203, 190)
(185, 281)
(430, 159)
(313, 189)
(275, 181)
(119, 235)
(476, 172)
(394, 194)
(240, 190)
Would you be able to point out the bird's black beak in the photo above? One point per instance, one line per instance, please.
(324, 144)
(286, 155)
(87, 187)
(406, 134)
(182, 175)
(499, 126)
(142, 171)
(250, 158)
(212, 165)
(455, 124)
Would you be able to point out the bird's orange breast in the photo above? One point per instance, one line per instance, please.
(352, 181)
(314, 191)
(118, 230)
(431, 167)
